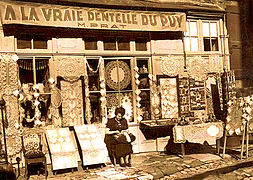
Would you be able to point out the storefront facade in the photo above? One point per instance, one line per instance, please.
(80, 63)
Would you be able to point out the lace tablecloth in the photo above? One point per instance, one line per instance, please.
(199, 133)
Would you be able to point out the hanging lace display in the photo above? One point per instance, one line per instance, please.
(90, 68)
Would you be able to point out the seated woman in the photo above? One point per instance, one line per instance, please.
(117, 139)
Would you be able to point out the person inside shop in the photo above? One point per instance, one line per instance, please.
(118, 139)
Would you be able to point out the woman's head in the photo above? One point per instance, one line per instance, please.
(119, 112)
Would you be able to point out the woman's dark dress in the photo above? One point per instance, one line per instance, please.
(115, 148)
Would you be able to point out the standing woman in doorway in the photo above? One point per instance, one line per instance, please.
(118, 139)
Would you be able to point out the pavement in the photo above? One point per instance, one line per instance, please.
(162, 166)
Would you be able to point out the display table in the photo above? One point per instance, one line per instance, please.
(92, 144)
(199, 133)
(62, 149)
(155, 134)
(153, 129)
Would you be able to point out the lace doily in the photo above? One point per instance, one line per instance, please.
(128, 105)
(117, 75)
(197, 68)
(171, 65)
(113, 100)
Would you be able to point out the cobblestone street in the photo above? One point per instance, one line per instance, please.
(158, 165)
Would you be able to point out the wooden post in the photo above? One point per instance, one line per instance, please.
(182, 149)
(243, 139)
(247, 139)
(224, 144)
(218, 146)
(34, 71)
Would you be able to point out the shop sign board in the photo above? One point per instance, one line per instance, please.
(90, 18)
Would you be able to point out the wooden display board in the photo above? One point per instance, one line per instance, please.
(62, 149)
(92, 144)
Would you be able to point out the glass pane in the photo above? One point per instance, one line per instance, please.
(207, 46)
(123, 44)
(25, 71)
(24, 44)
(143, 66)
(92, 67)
(111, 73)
(95, 107)
(187, 29)
(194, 44)
(42, 70)
(90, 43)
(109, 43)
(187, 44)
(39, 44)
(213, 27)
(122, 70)
(193, 29)
(215, 46)
(206, 29)
(141, 44)
(145, 105)
(93, 74)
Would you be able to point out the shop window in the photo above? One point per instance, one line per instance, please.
(210, 36)
(90, 43)
(141, 44)
(119, 86)
(29, 43)
(34, 75)
(94, 88)
(144, 86)
(27, 71)
(191, 36)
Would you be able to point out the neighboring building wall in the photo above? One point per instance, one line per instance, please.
(240, 30)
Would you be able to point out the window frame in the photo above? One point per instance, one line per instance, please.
(90, 37)
(31, 39)
(132, 90)
(117, 40)
(192, 36)
(210, 35)
(34, 71)
(35, 83)
(137, 61)
(143, 42)
(201, 36)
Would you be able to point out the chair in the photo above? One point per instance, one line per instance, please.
(32, 150)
